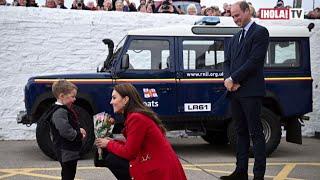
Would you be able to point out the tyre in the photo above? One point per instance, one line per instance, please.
(44, 137)
(271, 129)
(216, 138)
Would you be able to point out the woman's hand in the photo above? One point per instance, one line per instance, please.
(102, 142)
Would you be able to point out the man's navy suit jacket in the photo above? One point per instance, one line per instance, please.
(244, 61)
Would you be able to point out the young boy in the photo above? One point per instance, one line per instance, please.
(64, 125)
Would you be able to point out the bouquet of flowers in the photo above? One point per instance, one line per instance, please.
(103, 124)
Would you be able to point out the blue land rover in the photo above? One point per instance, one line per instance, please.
(179, 73)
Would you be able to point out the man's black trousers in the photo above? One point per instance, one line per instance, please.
(246, 113)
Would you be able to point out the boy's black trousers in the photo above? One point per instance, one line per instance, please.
(69, 170)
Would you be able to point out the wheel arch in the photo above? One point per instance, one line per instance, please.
(272, 102)
(43, 102)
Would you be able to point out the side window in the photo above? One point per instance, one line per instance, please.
(283, 54)
(203, 54)
(149, 54)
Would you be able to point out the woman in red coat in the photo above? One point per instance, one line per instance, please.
(146, 153)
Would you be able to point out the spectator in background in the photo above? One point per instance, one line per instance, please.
(130, 6)
(258, 14)
(151, 8)
(225, 6)
(142, 3)
(227, 11)
(280, 4)
(192, 9)
(180, 11)
(20, 3)
(107, 5)
(4, 3)
(167, 7)
(252, 11)
(317, 10)
(79, 5)
(146, 8)
(50, 4)
(212, 11)
(124, 7)
(142, 8)
(314, 14)
(208, 11)
(100, 4)
(32, 3)
(216, 11)
(203, 10)
(119, 5)
(15, 3)
(60, 4)
(311, 15)
(91, 6)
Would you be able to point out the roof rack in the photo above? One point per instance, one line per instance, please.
(214, 30)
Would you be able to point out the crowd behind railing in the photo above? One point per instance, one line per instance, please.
(149, 6)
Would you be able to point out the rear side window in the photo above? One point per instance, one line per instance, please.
(203, 54)
(283, 54)
(149, 55)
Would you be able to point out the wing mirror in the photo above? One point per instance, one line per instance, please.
(125, 61)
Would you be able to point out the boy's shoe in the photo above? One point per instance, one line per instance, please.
(236, 176)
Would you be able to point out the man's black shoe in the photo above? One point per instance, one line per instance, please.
(258, 178)
(236, 176)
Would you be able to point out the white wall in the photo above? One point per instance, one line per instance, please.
(35, 41)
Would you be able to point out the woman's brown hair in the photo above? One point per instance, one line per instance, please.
(135, 103)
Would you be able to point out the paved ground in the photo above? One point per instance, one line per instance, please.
(22, 160)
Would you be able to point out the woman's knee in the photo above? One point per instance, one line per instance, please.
(114, 161)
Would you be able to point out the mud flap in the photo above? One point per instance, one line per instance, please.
(294, 131)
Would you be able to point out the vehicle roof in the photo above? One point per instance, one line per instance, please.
(185, 30)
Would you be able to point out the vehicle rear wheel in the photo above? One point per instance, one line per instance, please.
(216, 138)
(271, 129)
(44, 136)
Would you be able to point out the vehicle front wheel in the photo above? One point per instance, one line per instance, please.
(44, 136)
(271, 129)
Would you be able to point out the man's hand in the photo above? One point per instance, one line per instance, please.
(235, 87)
(228, 83)
(83, 132)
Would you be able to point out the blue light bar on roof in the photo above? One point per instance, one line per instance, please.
(208, 20)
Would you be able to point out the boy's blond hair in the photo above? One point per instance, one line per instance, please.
(62, 86)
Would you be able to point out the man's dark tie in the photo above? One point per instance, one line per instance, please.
(242, 36)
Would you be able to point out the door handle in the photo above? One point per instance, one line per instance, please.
(165, 89)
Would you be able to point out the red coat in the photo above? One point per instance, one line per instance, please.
(149, 152)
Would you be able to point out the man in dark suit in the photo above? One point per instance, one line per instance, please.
(244, 79)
